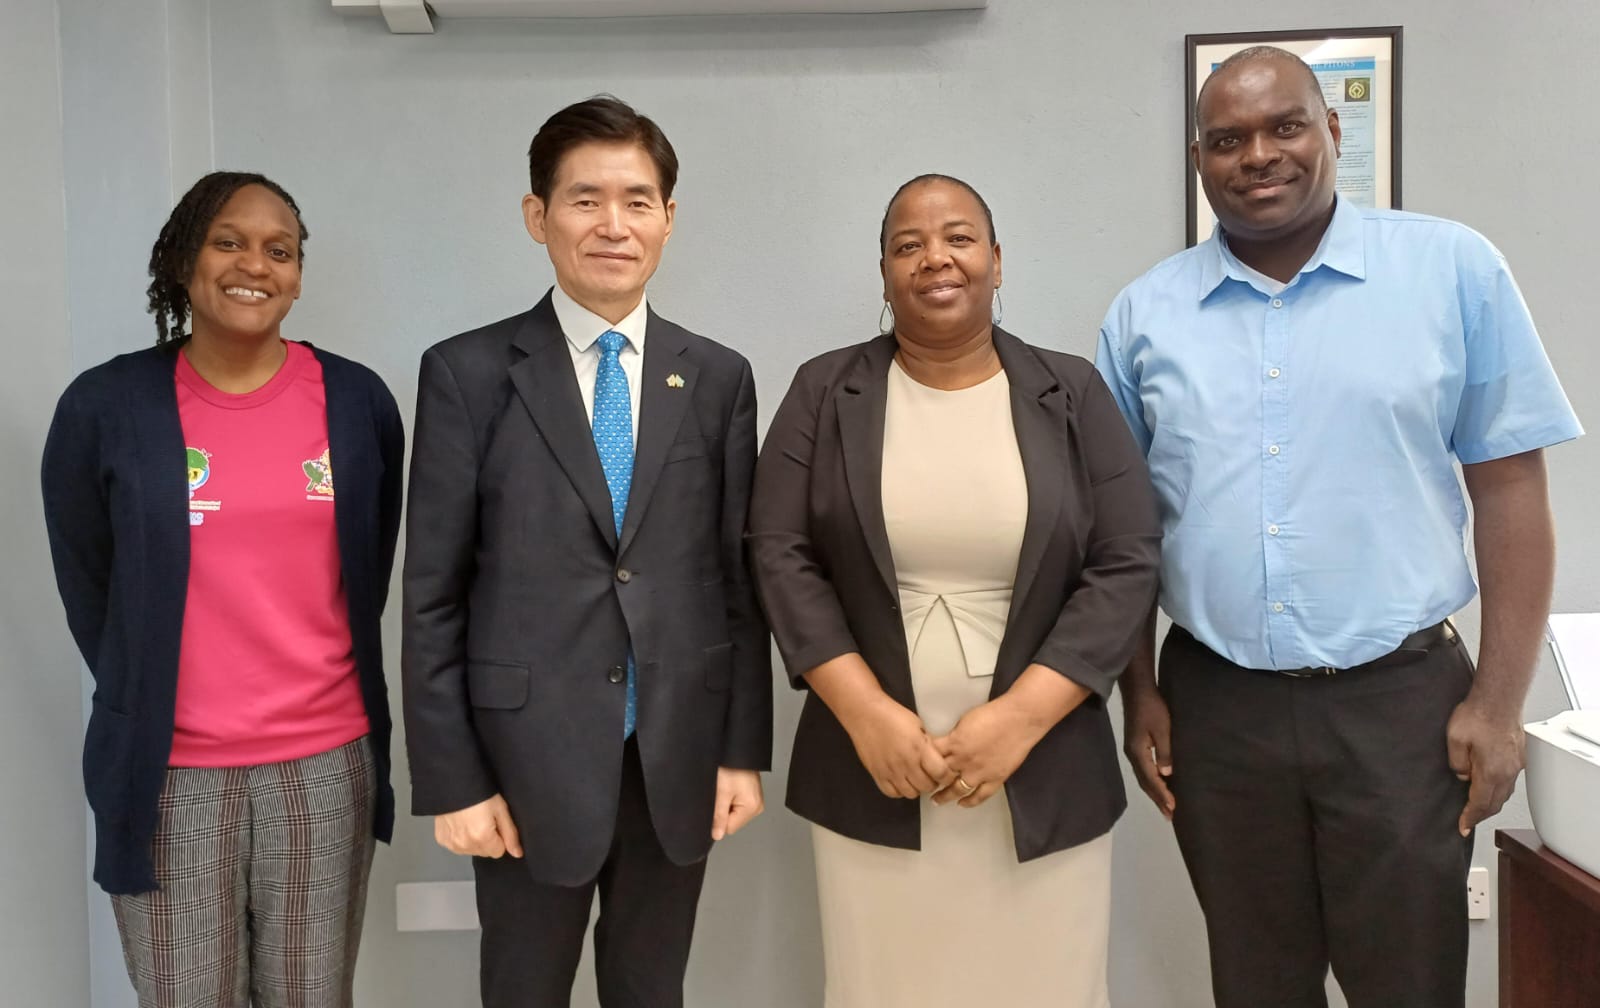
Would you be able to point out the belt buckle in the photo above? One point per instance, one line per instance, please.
(1310, 672)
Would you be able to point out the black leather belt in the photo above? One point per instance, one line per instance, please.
(1412, 649)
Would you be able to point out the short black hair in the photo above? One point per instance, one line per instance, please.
(1252, 54)
(176, 248)
(603, 119)
(883, 228)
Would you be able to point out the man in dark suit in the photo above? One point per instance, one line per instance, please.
(587, 675)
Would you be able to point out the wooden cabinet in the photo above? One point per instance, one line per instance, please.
(1549, 927)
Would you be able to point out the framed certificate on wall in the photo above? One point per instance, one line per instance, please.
(1359, 70)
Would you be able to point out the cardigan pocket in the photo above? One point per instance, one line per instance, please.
(497, 685)
(108, 757)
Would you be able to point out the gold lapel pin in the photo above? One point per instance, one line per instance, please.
(674, 380)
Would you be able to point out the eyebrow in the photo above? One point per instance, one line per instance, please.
(589, 188)
(230, 225)
(1294, 112)
(959, 222)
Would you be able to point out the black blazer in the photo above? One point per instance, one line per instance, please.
(116, 506)
(521, 603)
(1086, 579)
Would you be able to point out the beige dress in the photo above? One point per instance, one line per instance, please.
(959, 923)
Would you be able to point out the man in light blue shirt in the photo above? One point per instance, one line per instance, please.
(1303, 384)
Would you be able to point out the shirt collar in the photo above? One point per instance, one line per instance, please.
(582, 326)
(1343, 250)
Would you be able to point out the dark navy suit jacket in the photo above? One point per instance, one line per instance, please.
(522, 602)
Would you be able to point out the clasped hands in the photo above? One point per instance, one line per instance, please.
(969, 765)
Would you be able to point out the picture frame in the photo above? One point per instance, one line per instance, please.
(1359, 69)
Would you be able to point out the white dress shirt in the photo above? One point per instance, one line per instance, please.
(583, 328)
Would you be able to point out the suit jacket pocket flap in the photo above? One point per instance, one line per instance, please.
(497, 685)
(719, 666)
(687, 448)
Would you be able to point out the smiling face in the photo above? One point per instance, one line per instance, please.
(940, 264)
(246, 274)
(604, 225)
(1267, 151)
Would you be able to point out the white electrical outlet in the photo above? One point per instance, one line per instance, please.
(1478, 894)
(435, 906)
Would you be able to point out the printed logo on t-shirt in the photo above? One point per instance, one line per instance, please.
(199, 463)
(319, 471)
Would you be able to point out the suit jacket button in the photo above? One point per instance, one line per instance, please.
(617, 673)
(624, 575)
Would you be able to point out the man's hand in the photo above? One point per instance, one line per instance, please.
(1147, 742)
(738, 801)
(1489, 752)
(481, 830)
(988, 744)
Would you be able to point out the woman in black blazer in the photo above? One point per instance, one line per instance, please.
(956, 542)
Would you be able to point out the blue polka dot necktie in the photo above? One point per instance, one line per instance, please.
(613, 439)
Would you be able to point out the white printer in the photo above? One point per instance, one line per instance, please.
(1564, 752)
(1564, 785)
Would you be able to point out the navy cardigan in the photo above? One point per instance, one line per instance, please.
(116, 506)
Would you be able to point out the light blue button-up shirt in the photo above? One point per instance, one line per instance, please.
(1301, 439)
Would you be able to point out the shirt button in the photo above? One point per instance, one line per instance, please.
(1277, 302)
(617, 673)
(1277, 607)
(1273, 450)
(1272, 530)
(1273, 373)
(624, 575)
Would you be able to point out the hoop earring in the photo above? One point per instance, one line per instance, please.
(998, 307)
(884, 330)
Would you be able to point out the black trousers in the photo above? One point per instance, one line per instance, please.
(1317, 818)
(533, 933)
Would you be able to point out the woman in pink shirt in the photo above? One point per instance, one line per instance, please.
(236, 758)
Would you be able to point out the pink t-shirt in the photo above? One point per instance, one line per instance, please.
(266, 672)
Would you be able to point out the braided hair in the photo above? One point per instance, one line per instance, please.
(173, 255)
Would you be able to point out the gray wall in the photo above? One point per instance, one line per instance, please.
(135, 132)
(42, 925)
(406, 154)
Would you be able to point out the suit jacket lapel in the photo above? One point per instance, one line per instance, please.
(1039, 416)
(544, 380)
(661, 410)
(860, 403)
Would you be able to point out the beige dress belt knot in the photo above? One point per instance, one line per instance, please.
(975, 615)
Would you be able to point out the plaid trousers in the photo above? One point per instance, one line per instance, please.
(263, 875)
